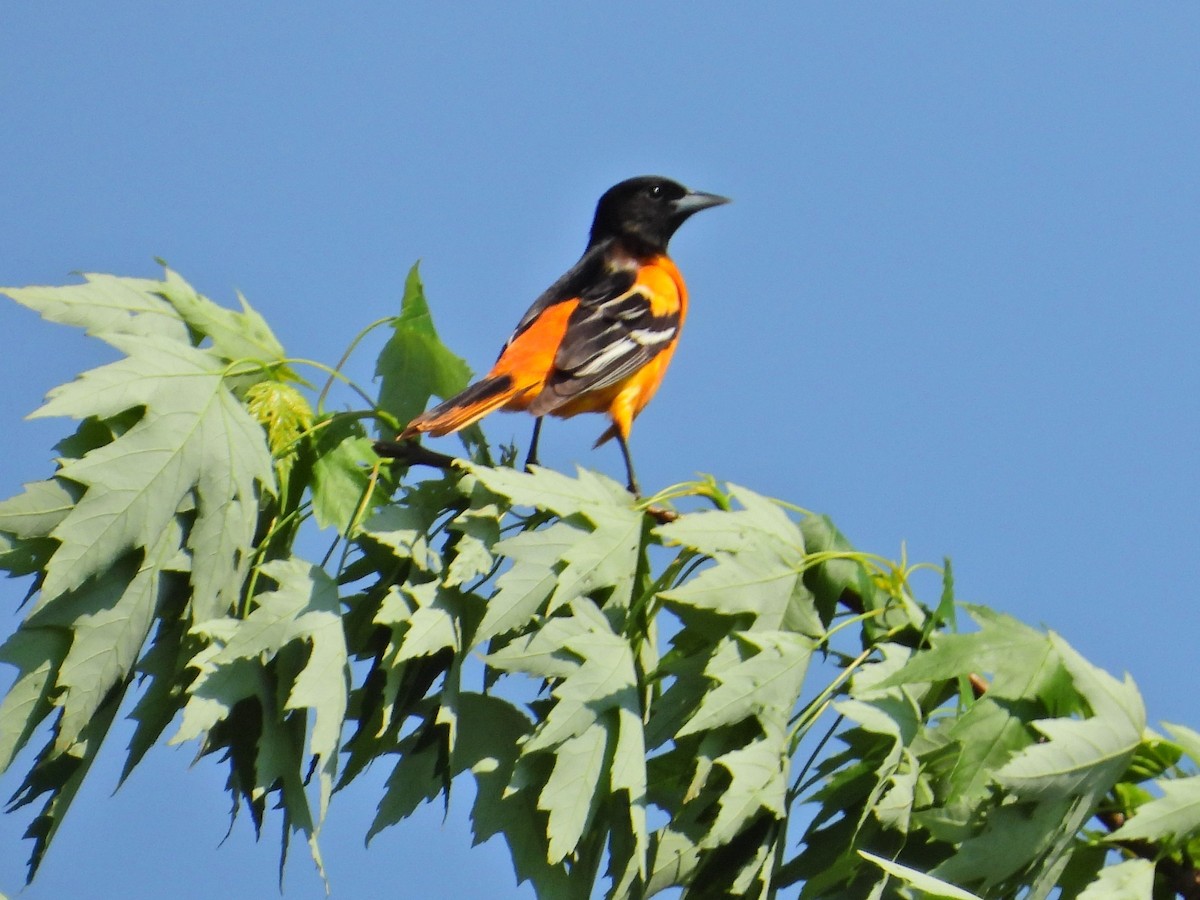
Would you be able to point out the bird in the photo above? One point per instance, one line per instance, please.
(600, 338)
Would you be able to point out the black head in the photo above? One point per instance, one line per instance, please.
(646, 211)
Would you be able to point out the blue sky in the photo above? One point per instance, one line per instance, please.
(954, 303)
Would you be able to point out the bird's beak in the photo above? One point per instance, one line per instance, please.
(694, 201)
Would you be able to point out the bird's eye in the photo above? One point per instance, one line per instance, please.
(655, 190)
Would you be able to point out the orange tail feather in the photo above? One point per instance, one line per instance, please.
(464, 409)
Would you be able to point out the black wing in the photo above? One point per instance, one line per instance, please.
(591, 277)
(612, 333)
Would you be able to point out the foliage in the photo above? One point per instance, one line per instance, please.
(709, 689)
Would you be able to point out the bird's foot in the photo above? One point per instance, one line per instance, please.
(661, 514)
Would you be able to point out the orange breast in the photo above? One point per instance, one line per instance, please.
(625, 400)
(667, 292)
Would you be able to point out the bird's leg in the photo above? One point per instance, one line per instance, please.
(633, 485)
(532, 458)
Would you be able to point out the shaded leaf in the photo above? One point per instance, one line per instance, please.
(414, 364)
(927, 884)
(340, 476)
(492, 730)
(758, 781)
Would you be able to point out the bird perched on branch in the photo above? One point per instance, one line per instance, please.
(600, 338)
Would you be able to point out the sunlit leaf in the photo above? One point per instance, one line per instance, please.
(37, 653)
(1132, 879)
(193, 436)
(765, 683)
(106, 306)
(664, 701)
(1187, 738)
(1171, 817)
(243, 336)
(571, 792)
(1081, 756)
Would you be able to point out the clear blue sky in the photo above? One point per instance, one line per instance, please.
(954, 304)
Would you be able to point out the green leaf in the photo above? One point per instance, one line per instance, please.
(572, 793)
(37, 654)
(414, 364)
(841, 571)
(241, 335)
(284, 414)
(414, 780)
(39, 510)
(759, 555)
(927, 884)
(434, 623)
(605, 560)
(764, 684)
(523, 590)
(758, 780)
(194, 436)
(106, 306)
(1013, 837)
(1020, 659)
(1187, 738)
(340, 475)
(1132, 879)
(720, 531)
(400, 527)
(944, 614)
(58, 777)
(477, 532)
(627, 774)
(323, 685)
(492, 731)
(895, 715)
(589, 494)
(304, 608)
(674, 857)
(1081, 757)
(1174, 816)
(403, 529)
(161, 667)
(111, 620)
(1155, 755)
(987, 734)
(597, 672)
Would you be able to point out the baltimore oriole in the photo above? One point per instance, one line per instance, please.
(600, 338)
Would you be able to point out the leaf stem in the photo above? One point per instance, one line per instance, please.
(345, 358)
